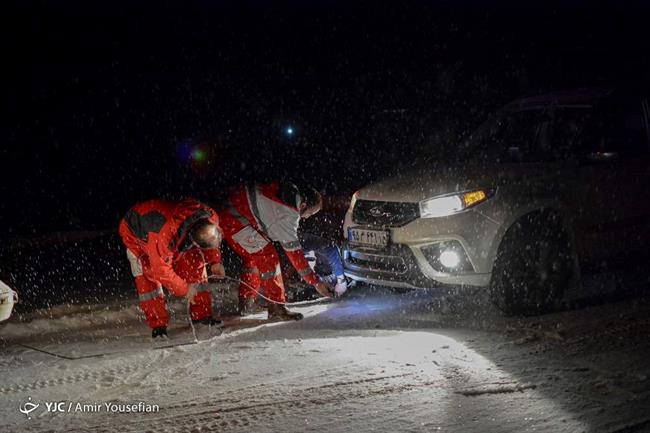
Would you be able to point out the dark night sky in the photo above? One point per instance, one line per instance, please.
(105, 102)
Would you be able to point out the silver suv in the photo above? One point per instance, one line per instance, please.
(548, 185)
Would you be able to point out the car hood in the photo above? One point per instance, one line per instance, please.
(425, 182)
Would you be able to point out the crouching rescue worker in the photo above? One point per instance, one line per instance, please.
(326, 260)
(173, 244)
(254, 217)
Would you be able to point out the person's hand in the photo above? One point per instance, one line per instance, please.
(341, 286)
(324, 289)
(191, 292)
(217, 270)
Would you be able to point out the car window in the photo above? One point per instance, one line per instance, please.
(508, 137)
(618, 128)
(568, 124)
(538, 135)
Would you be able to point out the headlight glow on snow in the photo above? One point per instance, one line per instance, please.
(451, 204)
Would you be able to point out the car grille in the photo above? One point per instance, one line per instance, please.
(394, 264)
(384, 213)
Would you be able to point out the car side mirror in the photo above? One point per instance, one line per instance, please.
(515, 154)
(601, 157)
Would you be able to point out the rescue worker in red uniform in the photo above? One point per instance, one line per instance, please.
(170, 244)
(253, 218)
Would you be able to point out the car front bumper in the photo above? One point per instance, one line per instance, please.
(394, 266)
(401, 265)
(408, 260)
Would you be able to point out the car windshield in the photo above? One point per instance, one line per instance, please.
(532, 135)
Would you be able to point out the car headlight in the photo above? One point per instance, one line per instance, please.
(451, 204)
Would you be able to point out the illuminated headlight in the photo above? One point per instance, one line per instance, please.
(451, 204)
(449, 259)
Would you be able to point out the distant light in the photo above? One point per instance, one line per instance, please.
(449, 259)
(289, 130)
(199, 155)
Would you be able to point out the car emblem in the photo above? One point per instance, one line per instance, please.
(377, 211)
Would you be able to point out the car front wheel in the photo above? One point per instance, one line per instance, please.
(533, 268)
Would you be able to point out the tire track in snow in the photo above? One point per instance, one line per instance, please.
(134, 366)
(227, 413)
(96, 375)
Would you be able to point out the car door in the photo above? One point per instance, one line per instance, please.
(634, 151)
(583, 183)
(614, 176)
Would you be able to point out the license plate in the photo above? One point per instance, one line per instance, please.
(368, 238)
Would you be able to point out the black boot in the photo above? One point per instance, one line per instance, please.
(248, 306)
(280, 312)
(159, 333)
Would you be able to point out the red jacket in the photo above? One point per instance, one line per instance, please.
(276, 219)
(156, 232)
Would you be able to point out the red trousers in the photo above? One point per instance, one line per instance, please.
(261, 262)
(190, 266)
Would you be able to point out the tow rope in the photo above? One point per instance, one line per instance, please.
(257, 292)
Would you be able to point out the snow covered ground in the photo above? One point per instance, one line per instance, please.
(372, 361)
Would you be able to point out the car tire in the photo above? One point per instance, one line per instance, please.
(533, 268)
